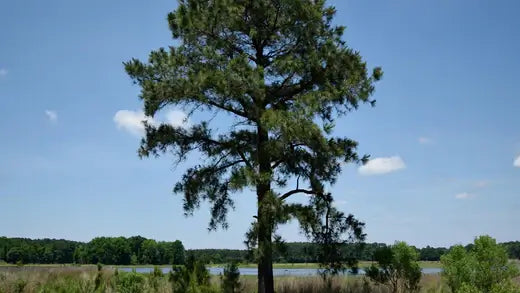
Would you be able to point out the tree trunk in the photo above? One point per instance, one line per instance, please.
(265, 249)
(265, 219)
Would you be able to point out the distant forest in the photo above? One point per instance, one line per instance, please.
(139, 250)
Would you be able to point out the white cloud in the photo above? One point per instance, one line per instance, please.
(424, 140)
(177, 118)
(463, 195)
(3, 72)
(517, 162)
(51, 115)
(383, 165)
(132, 121)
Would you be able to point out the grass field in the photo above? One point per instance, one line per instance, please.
(85, 279)
(70, 278)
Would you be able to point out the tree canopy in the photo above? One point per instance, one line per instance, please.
(281, 69)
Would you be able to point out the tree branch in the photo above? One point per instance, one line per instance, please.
(220, 168)
(294, 191)
(222, 107)
(246, 161)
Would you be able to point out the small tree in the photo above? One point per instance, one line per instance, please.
(457, 268)
(397, 268)
(190, 278)
(484, 268)
(231, 279)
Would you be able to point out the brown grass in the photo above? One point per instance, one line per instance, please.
(81, 279)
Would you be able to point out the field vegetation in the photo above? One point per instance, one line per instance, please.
(484, 268)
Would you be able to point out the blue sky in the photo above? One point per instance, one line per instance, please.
(444, 135)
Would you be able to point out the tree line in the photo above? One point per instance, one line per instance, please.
(106, 250)
(304, 252)
(140, 250)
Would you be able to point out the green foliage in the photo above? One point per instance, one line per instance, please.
(133, 259)
(397, 267)
(429, 253)
(458, 267)
(230, 281)
(68, 284)
(191, 278)
(154, 278)
(19, 286)
(28, 251)
(485, 268)
(468, 288)
(99, 277)
(218, 256)
(106, 250)
(513, 249)
(283, 72)
(130, 282)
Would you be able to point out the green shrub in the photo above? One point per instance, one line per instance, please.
(130, 282)
(192, 278)
(155, 277)
(230, 281)
(19, 286)
(397, 268)
(99, 277)
(485, 268)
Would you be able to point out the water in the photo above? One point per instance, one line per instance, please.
(254, 271)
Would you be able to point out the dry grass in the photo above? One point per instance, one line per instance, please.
(82, 279)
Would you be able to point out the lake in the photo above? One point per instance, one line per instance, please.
(254, 271)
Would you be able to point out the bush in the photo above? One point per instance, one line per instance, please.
(397, 268)
(230, 282)
(19, 286)
(192, 278)
(155, 278)
(130, 282)
(485, 268)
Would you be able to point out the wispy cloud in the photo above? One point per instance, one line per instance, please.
(464, 195)
(516, 163)
(3, 72)
(382, 165)
(177, 118)
(51, 115)
(425, 140)
(133, 121)
(482, 183)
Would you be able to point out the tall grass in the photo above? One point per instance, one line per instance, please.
(89, 279)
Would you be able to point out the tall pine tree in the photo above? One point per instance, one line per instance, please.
(281, 69)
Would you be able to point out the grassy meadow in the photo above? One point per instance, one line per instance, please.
(87, 279)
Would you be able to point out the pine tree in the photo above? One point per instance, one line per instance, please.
(282, 70)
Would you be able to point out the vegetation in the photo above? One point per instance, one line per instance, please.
(485, 268)
(297, 254)
(282, 72)
(397, 268)
(106, 250)
(83, 279)
(44, 251)
(231, 279)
